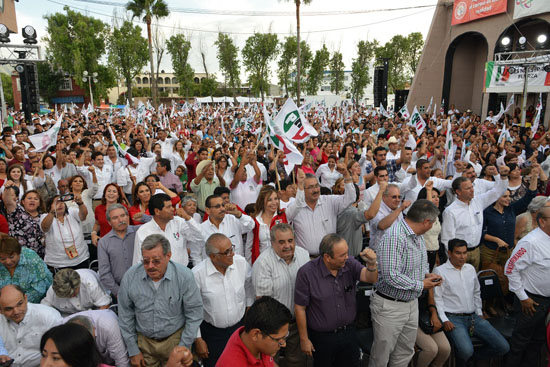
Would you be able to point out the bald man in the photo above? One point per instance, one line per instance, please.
(22, 325)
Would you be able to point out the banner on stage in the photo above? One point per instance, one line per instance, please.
(465, 11)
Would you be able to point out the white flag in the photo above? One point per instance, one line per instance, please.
(383, 112)
(404, 112)
(449, 142)
(46, 139)
(430, 105)
(434, 117)
(418, 122)
(292, 124)
(535, 125)
(292, 154)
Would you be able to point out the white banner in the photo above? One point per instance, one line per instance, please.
(524, 8)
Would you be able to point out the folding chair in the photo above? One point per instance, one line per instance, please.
(365, 333)
(490, 289)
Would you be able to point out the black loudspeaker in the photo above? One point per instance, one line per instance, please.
(401, 96)
(28, 79)
(378, 85)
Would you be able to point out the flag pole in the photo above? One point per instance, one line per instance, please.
(260, 141)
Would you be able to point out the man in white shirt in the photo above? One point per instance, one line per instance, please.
(391, 211)
(183, 233)
(314, 216)
(224, 280)
(112, 160)
(274, 275)
(226, 219)
(481, 186)
(412, 186)
(22, 325)
(393, 152)
(245, 188)
(380, 175)
(126, 178)
(458, 303)
(528, 272)
(463, 219)
(73, 291)
(104, 174)
(287, 193)
(103, 325)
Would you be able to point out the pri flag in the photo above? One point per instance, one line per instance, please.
(418, 122)
(383, 111)
(292, 154)
(525, 8)
(123, 151)
(46, 139)
(293, 124)
(404, 112)
(449, 142)
(535, 125)
(430, 105)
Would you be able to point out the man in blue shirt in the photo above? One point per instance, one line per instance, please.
(160, 306)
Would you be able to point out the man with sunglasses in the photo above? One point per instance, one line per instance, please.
(224, 280)
(159, 305)
(264, 332)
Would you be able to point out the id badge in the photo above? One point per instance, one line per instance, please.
(71, 251)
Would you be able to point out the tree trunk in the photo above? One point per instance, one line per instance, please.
(298, 61)
(129, 91)
(153, 77)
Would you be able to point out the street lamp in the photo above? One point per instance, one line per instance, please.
(88, 78)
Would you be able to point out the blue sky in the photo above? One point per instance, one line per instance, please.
(324, 29)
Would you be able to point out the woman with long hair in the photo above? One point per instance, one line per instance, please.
(267, 214)
(78, 185)
(16, 174)
(3, 171)
(24, 218)
(142, 194)
(65, 245)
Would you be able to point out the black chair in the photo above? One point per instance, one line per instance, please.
(490, 289)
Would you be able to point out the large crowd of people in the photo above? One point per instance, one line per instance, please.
(180, 236)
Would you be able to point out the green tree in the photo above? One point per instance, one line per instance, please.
(360, 77)
(259, 50)
(178, 48)
(49, 80)
(287, 61)
(336, 73)
(75, 43)
(8, 91)
(298, 57)
(304, 63)
(404, 54)
(147, 10)
(317, 71)
(127, 53)
(229, 63)
(208, 86)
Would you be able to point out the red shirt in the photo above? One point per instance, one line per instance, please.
(134, 209)
(236, 354)
(4, 228)
(101, 217)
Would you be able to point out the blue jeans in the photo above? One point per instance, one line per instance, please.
(494, 343)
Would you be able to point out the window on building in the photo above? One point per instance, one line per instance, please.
(166, 80)
(66, 84)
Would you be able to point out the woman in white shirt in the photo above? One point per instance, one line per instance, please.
(65, 245)
(327, 173)
(16, 174)
(79, 186)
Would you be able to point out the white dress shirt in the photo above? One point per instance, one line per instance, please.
(311, 225)
(411, 187)
(459, 292)
(464, 221)
(273, 277)
(91, 294)
(104, 177)
(22, 340)
(108, 338)
(370, 194)
(528, 268)
(225, 297)
(181, 233)
(245, 192)
(326, 177)
(123, 178)
(232, 227)
(114, 166)
(376, 233)
(481, 186)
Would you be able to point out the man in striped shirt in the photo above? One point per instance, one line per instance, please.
(403, 274)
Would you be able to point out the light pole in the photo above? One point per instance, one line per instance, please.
(88, 78)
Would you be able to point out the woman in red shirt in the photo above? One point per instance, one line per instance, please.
(142, 195)
(111, 194)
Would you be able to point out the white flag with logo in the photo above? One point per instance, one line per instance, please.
(418, 122)
(383, 111)
(524, 8)
(292, 124)
(404, 112)
(430, 105)
(46, 139)
(535, 125)
(292, 154)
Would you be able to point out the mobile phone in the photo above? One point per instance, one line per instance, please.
(66, 197)
(436, 280)
(7, 363)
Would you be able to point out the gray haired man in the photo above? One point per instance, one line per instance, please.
(160, 306)
(115, 250)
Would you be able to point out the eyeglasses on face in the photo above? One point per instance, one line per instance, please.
(311, 187)
(153, 261)
(228, 252)
(281, 341)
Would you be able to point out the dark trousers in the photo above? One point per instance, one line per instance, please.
(83, 265)
(529, 334)
(335, 349)
(216, 339)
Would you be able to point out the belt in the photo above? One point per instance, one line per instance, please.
(390, 298)
(531, 295)
(459, 314)
(334, 331)
(472, 248)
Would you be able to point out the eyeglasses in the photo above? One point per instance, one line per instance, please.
(311, 187)
(154, 261)
(228, 252)
(216, 206)
(281, 341)
(396, 197)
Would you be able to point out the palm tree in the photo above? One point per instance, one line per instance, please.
(298, 60)
(149, 9)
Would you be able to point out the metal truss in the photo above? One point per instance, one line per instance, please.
(20, 54)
